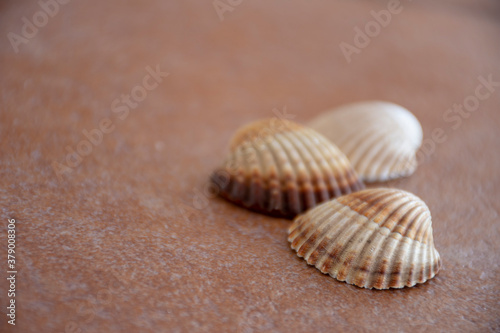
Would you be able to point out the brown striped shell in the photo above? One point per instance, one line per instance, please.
(282, 168)
(376, 238)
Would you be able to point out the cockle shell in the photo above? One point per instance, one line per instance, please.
(282, 168)
(375, 238)
(380, 139)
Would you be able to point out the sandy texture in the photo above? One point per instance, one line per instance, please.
(126, 241)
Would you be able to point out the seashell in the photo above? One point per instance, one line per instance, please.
(376, 238)
(380, 139)
(281, 168)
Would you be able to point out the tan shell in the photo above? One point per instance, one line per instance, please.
(376, 238)
(380, 139)
(282, 168)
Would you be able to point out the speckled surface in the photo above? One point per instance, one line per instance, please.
(126, 241)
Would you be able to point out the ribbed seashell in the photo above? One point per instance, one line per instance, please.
(376, 238)
(281, 168)
(380, 139)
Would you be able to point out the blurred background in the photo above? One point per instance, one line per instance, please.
(114, 113)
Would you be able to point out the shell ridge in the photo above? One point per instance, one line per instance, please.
(368, 195)
(423, 254)
(377, 269)
(248, 174)
(395, 203)
(432, 259)
(314, 177)
(407, 264)
(261, 156)
(303, 153)
(322, 235)
(437, 262)
(362, 257)
(255, 167)
(410, 225)
(358, 147)
(316, 232)
(374, 263)
(267, 164)
(275, 196)
(358, 206)
(340, 210)
(429, 261)
(305, 231)
(239, 178)
(301, 220)
(398, 253)
(353, 145)
(420, 222)
(427, 235)
(366, 152)
(331, 163)
(355, 203)
(423, 233)
(394, 210)
(373, 170)
(301, 182)
(308, 149)
(413, 265)
(339, 228)
(355, 247)
(373, 195)
(389, 269)
(321, 211)
(274, 147)
(402, 162)
(346, 236)
(354, 274)
(377, 203)
(271, 173)
(407, 218)
(297, 224)
(392, 219)
(391, 207)
(368, 258)
(381, 166)
(338, 162)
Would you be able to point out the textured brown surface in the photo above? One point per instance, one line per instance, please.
(118, 245)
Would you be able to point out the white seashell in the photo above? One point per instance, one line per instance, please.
(375, 238)
(380, 139)
(281, 168)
